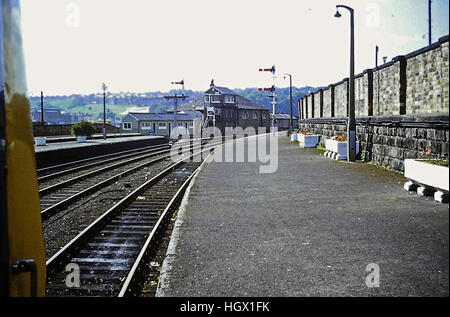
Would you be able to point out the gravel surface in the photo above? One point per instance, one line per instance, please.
(62, 227)
(50, 182)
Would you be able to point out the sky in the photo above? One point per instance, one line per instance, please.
(72, 46)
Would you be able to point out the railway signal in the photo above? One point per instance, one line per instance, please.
(272, 89)
(175, 98)
(272, 69)
(267, 89)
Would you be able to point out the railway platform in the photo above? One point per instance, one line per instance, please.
(315, 227)
(54, 153)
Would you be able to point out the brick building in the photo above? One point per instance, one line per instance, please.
(225, 108)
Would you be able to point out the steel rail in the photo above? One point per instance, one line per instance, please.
(131, 277)
(78, 178)
(46, 213)
(62, 256)
(44, 169)
(86, 166)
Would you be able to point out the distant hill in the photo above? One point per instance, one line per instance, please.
(282, 97)
(123, 102)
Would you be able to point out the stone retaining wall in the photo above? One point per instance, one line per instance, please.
(389, 140)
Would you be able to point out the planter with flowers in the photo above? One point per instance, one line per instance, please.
(337, 147)
(294, 136)
(307, 139)
(428, 176)
(83, 130)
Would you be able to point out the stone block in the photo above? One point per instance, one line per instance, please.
(441, 197)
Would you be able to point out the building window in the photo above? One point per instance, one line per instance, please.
(255, 115)
(127, 125)
(191, 125)
(206, 98)
(162, 125)
(245, 115)
(146, 125)
(180, 124)
(229, 99)
(218, 111)
(264, 115)
(215, 98)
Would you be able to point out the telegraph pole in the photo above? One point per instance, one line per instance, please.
(104, 87)
(42, 108)
(272, 89)
(175, 98)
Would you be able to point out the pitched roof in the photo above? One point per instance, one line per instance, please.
(222, 90)
(185, 115)
(244, 103)
(283, 116)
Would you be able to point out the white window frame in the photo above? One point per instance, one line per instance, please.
(244, 115)
(229, 99)
(146, 125)
(162, 125)
(264, 116)
(207, 98)
(127, 123)
(255, 115)
(213, 99)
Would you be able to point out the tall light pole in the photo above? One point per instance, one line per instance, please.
(351, 124)
(104, 87)
(429, 22)
(291, 124)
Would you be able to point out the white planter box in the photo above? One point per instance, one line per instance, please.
(294, 137)
(81, 138)
(338, 149)
(40, 141)
(308, 140)
(426, 174)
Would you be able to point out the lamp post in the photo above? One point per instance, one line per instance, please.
(291, 126)
(351, 124)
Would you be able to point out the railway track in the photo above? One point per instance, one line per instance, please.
(58, 171)
(108, 253)
(57, 196)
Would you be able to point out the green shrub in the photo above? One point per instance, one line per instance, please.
(83, 128)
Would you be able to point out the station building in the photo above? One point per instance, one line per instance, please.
(225, 108)
(160, 123)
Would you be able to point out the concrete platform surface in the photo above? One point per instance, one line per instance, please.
(90, 142)
(315, 227)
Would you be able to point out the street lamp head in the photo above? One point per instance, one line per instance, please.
(337, 14)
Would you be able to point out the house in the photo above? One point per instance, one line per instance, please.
(225, 108)
(52, 115)
(283, 121)
(159, 123)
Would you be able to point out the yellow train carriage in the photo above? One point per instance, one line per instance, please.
(22, 258)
